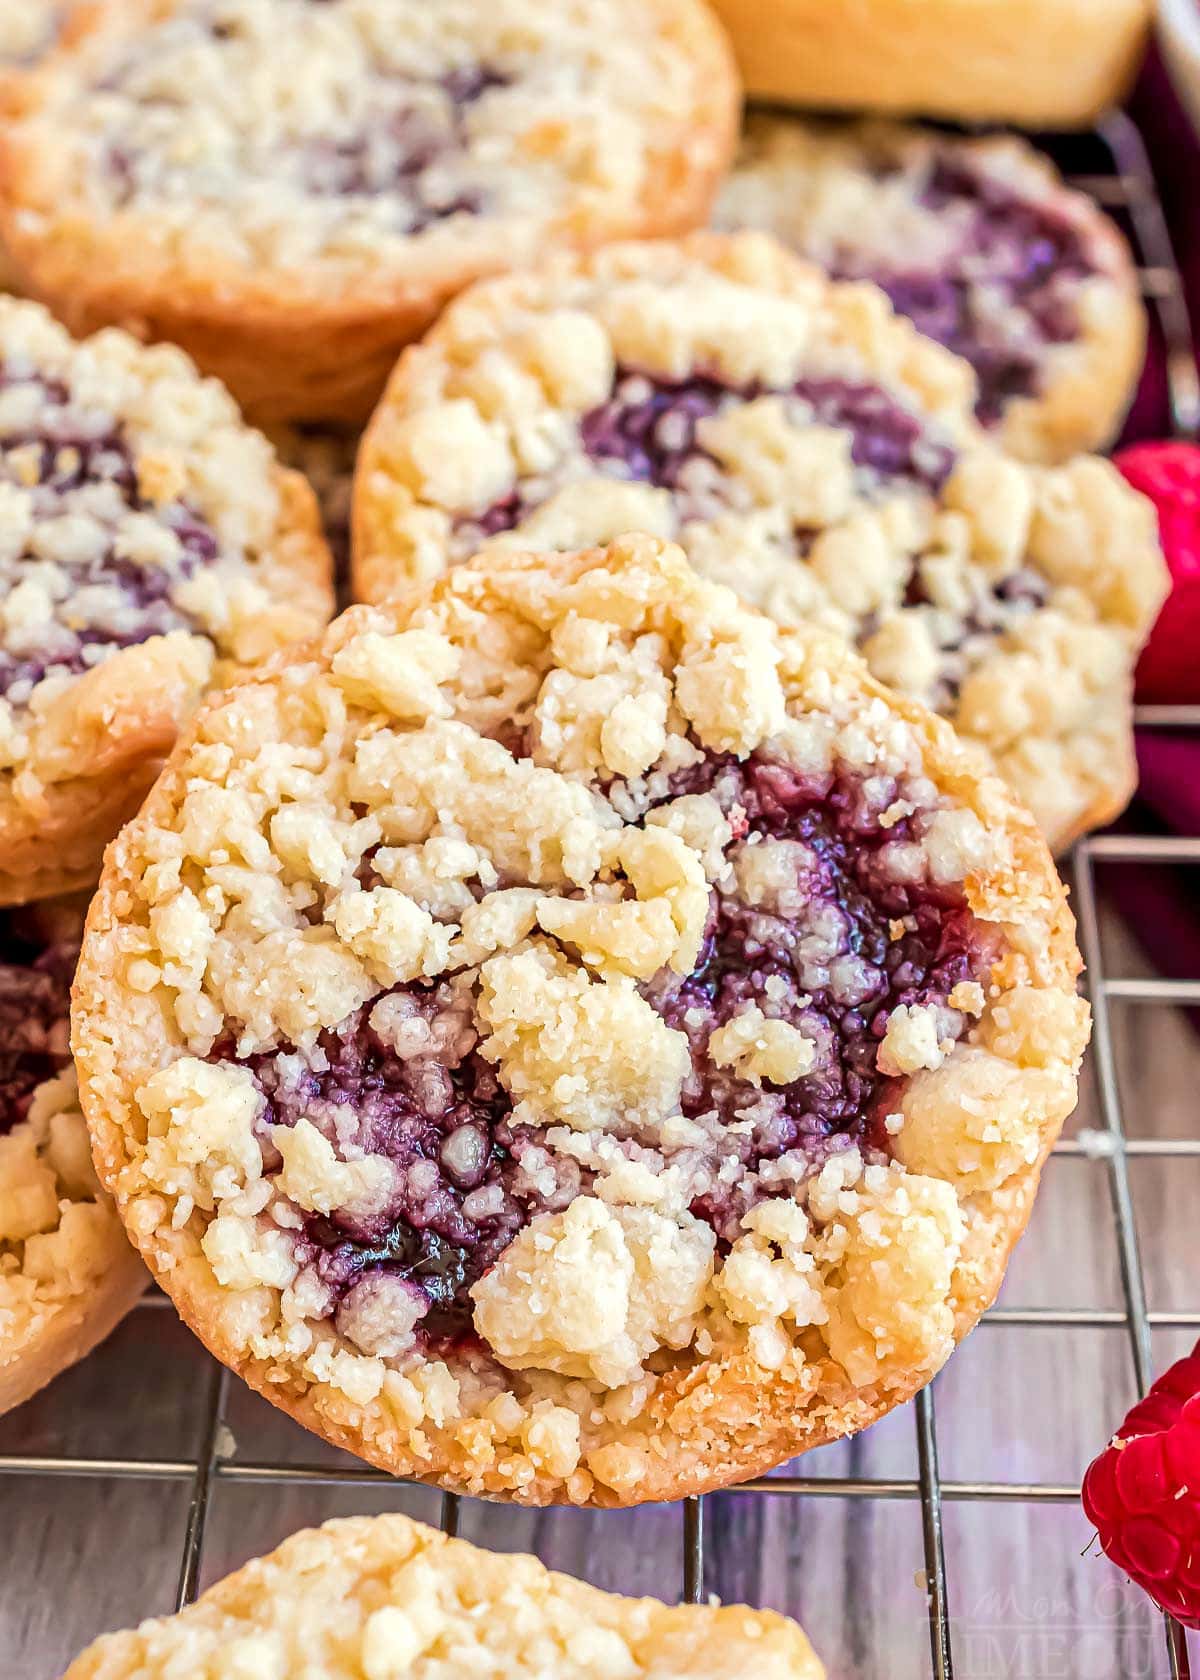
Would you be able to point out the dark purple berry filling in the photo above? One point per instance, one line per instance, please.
(35, 1005)
(71, 465)
(865, 938)
(648, 426)
(1016, 255)
(860, 930)
(465, 1180)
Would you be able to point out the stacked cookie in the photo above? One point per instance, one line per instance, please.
(291, 190)
(381, 1598)
(567, 1031)
(981, 246)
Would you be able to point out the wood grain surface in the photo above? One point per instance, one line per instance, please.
(1015, 1405)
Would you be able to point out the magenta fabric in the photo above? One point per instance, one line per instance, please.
(1169, 767)
(1170, 762)
(1161, 904)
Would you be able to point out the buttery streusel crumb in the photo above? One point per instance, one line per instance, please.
(382, 1598)
(27, 27)
(150, 545)
(517, 1040)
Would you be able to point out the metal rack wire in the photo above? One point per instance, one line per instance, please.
(1125, 186)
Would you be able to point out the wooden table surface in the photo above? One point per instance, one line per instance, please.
(1016, 1404)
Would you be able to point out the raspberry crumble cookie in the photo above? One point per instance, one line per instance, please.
(807, 447)
(982, 246)
(67, 1273)
(382, 1598)
(150, 546)
(292, 190)
(565, 1038)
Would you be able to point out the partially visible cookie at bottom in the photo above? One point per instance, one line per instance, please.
(67, 1273)
(382, 1598)
(563, 1037)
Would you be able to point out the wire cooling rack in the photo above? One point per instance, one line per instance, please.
(1111, 165)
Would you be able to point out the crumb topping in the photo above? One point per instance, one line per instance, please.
(134, 505)
(322, 139)
(805, 448)
(59, 1235)
(382, 1598)
(977, 243)
(537, 951)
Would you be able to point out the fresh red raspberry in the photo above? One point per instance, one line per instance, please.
(1169, 474)
(1143, 1492)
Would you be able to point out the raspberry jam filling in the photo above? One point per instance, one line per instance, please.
(828, 920)
(35, 1004)
(647, 431)
(74, 594)
(831, 922)
(402, 1080)
(648, 427)
(1003, 296)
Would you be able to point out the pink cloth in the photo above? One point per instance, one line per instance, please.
(1169, 766)
(1169, 762)
(1160, 904)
